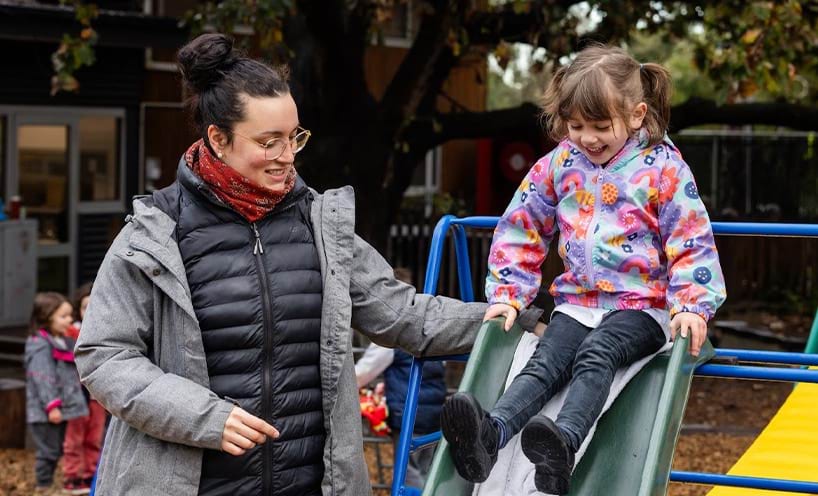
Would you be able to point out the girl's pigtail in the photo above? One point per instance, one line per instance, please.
(657, 89)
(554, 124)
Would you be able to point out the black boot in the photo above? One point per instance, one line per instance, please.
(472, 435)
(553, 459)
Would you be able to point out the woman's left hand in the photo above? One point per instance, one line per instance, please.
(243, 431)
(685, 323)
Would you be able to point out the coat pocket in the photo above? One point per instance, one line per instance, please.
(140, 464)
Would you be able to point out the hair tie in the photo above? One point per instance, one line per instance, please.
(641, 66)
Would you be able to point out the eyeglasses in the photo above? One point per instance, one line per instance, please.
(274, 147)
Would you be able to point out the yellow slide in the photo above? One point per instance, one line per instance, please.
(786, 449)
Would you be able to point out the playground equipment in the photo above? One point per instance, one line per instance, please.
(637, 459)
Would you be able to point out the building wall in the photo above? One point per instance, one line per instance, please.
(113, 82)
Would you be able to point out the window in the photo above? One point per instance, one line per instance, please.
(400, 25)
(99, 159)
(67, 165)
(426, 180)
(43, 162)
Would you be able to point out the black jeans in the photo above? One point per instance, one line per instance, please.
(584, 358)
(48, 439)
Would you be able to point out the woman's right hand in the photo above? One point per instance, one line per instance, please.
(499, 309)
(243, 431)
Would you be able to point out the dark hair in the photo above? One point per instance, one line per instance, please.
(45, 304)
(603, 82)
(216, 76)
(81, 292)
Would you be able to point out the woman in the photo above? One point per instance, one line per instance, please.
(218, 328)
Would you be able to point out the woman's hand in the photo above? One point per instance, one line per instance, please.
(55, 416)
(243, 431)
(688, 322)
(499, 309)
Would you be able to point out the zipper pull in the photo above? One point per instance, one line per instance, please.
(258, 248)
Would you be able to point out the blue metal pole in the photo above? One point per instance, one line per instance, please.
(416, 370)
(436, 254)
(406, 443)
(483, 222)
(752, 372)
(407, 426)
(742, 481)
(769, 356)
(425, 439)
(461, 250)
(443, 358)
(762, 229)
(723, 228)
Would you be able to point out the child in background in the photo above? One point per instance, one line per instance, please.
(83, 435)
(53, 391)
(640, 263)
(395, 365)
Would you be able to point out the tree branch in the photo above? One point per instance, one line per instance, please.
(407, 88)
(696, 111)
(426, 133)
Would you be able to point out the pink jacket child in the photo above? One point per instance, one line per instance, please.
(53, 390)
(632, 235)
(640, 263)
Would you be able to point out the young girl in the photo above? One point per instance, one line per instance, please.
(53, 392)
(83, 435)
(639, 259)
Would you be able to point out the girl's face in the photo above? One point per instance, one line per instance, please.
(601, 140)
(265, 118)
(61, 320)
(83, 305)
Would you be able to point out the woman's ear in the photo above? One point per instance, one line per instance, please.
(218, 140)
(638, 114)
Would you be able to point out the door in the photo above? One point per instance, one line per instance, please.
(44, 183)
(67, 166)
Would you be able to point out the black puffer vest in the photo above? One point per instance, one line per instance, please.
(257, 294)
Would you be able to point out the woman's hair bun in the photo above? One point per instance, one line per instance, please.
(204, 59)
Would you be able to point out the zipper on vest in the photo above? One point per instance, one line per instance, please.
(266, 372)
(258, 247)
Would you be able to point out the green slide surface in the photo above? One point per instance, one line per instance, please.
(632, 449)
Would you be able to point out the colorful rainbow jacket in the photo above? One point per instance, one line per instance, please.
(632, 235)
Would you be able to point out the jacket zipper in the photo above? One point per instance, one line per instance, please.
(266, 392)
(591, 234)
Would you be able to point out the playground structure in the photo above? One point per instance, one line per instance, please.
(637, 459)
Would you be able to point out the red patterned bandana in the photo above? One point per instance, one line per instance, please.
(246, 197)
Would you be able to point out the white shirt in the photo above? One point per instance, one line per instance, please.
(372, 363)
(592, 317)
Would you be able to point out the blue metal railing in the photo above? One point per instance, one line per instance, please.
(458, 225)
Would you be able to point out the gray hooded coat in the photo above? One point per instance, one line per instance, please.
(141, 353)
(51, 379)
